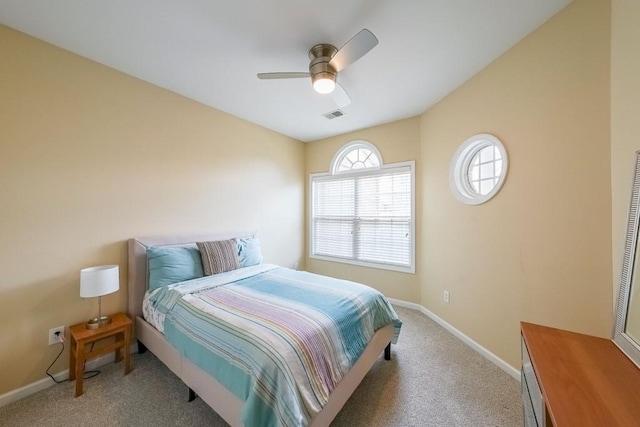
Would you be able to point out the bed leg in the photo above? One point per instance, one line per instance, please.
(192, 395)
(141, 347)
(387, 352)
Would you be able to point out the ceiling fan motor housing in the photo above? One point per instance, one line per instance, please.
(320, 55)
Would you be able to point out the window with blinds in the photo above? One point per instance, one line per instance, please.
(365, 217)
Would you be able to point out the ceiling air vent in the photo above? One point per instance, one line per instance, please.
(334, 114)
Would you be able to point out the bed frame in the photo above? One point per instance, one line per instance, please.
(199, 382)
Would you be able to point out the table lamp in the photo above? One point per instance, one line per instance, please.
(95, 282)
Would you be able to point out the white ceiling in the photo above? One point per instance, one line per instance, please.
(211, 50)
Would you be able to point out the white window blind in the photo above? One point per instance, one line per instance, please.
(365, 217)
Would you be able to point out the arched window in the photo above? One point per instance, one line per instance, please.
(362, 211)
(356, 155)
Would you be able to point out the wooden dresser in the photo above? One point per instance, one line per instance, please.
(571, 379)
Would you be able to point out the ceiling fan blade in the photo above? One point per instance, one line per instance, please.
(340, 96)
(294, 75)
(354, 49)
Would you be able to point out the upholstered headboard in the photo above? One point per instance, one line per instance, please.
(138, 269)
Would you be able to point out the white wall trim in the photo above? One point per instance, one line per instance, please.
(29, 389)
(515, 373)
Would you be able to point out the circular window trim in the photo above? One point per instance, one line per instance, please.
(459, 169)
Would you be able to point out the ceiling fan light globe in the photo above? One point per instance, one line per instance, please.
(324, 85)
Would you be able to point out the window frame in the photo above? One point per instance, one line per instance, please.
(373, 171)
(461, 163)
(346, 149)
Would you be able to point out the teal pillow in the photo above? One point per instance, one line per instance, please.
(249, 252)
(169, 265)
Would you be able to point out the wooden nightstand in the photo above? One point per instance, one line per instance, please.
(119, 328)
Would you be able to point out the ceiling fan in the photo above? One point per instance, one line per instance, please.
(327, 62)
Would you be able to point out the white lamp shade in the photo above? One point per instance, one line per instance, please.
(98, 281)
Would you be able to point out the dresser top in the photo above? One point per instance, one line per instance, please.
(585, 380)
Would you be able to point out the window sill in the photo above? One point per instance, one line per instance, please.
(390, 267)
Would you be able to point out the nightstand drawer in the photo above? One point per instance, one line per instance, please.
(530, 389)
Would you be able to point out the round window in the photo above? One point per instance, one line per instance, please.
(478, 169)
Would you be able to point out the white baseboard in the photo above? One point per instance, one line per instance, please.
(47, 382)
(515, 373)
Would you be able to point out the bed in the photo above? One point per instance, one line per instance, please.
(176, 303)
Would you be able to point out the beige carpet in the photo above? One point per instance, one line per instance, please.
(433, 379)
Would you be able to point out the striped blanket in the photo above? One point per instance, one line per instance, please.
(278, 339)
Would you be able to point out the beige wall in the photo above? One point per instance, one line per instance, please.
(90, 157)
(540, 250)
(74, 134)
(625, 126)
(397, 142)
(625, 108)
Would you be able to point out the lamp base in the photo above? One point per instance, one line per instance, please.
(98, 322)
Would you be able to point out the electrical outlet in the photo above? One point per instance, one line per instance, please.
(445, 296)
(295, 265)
(55, 334)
